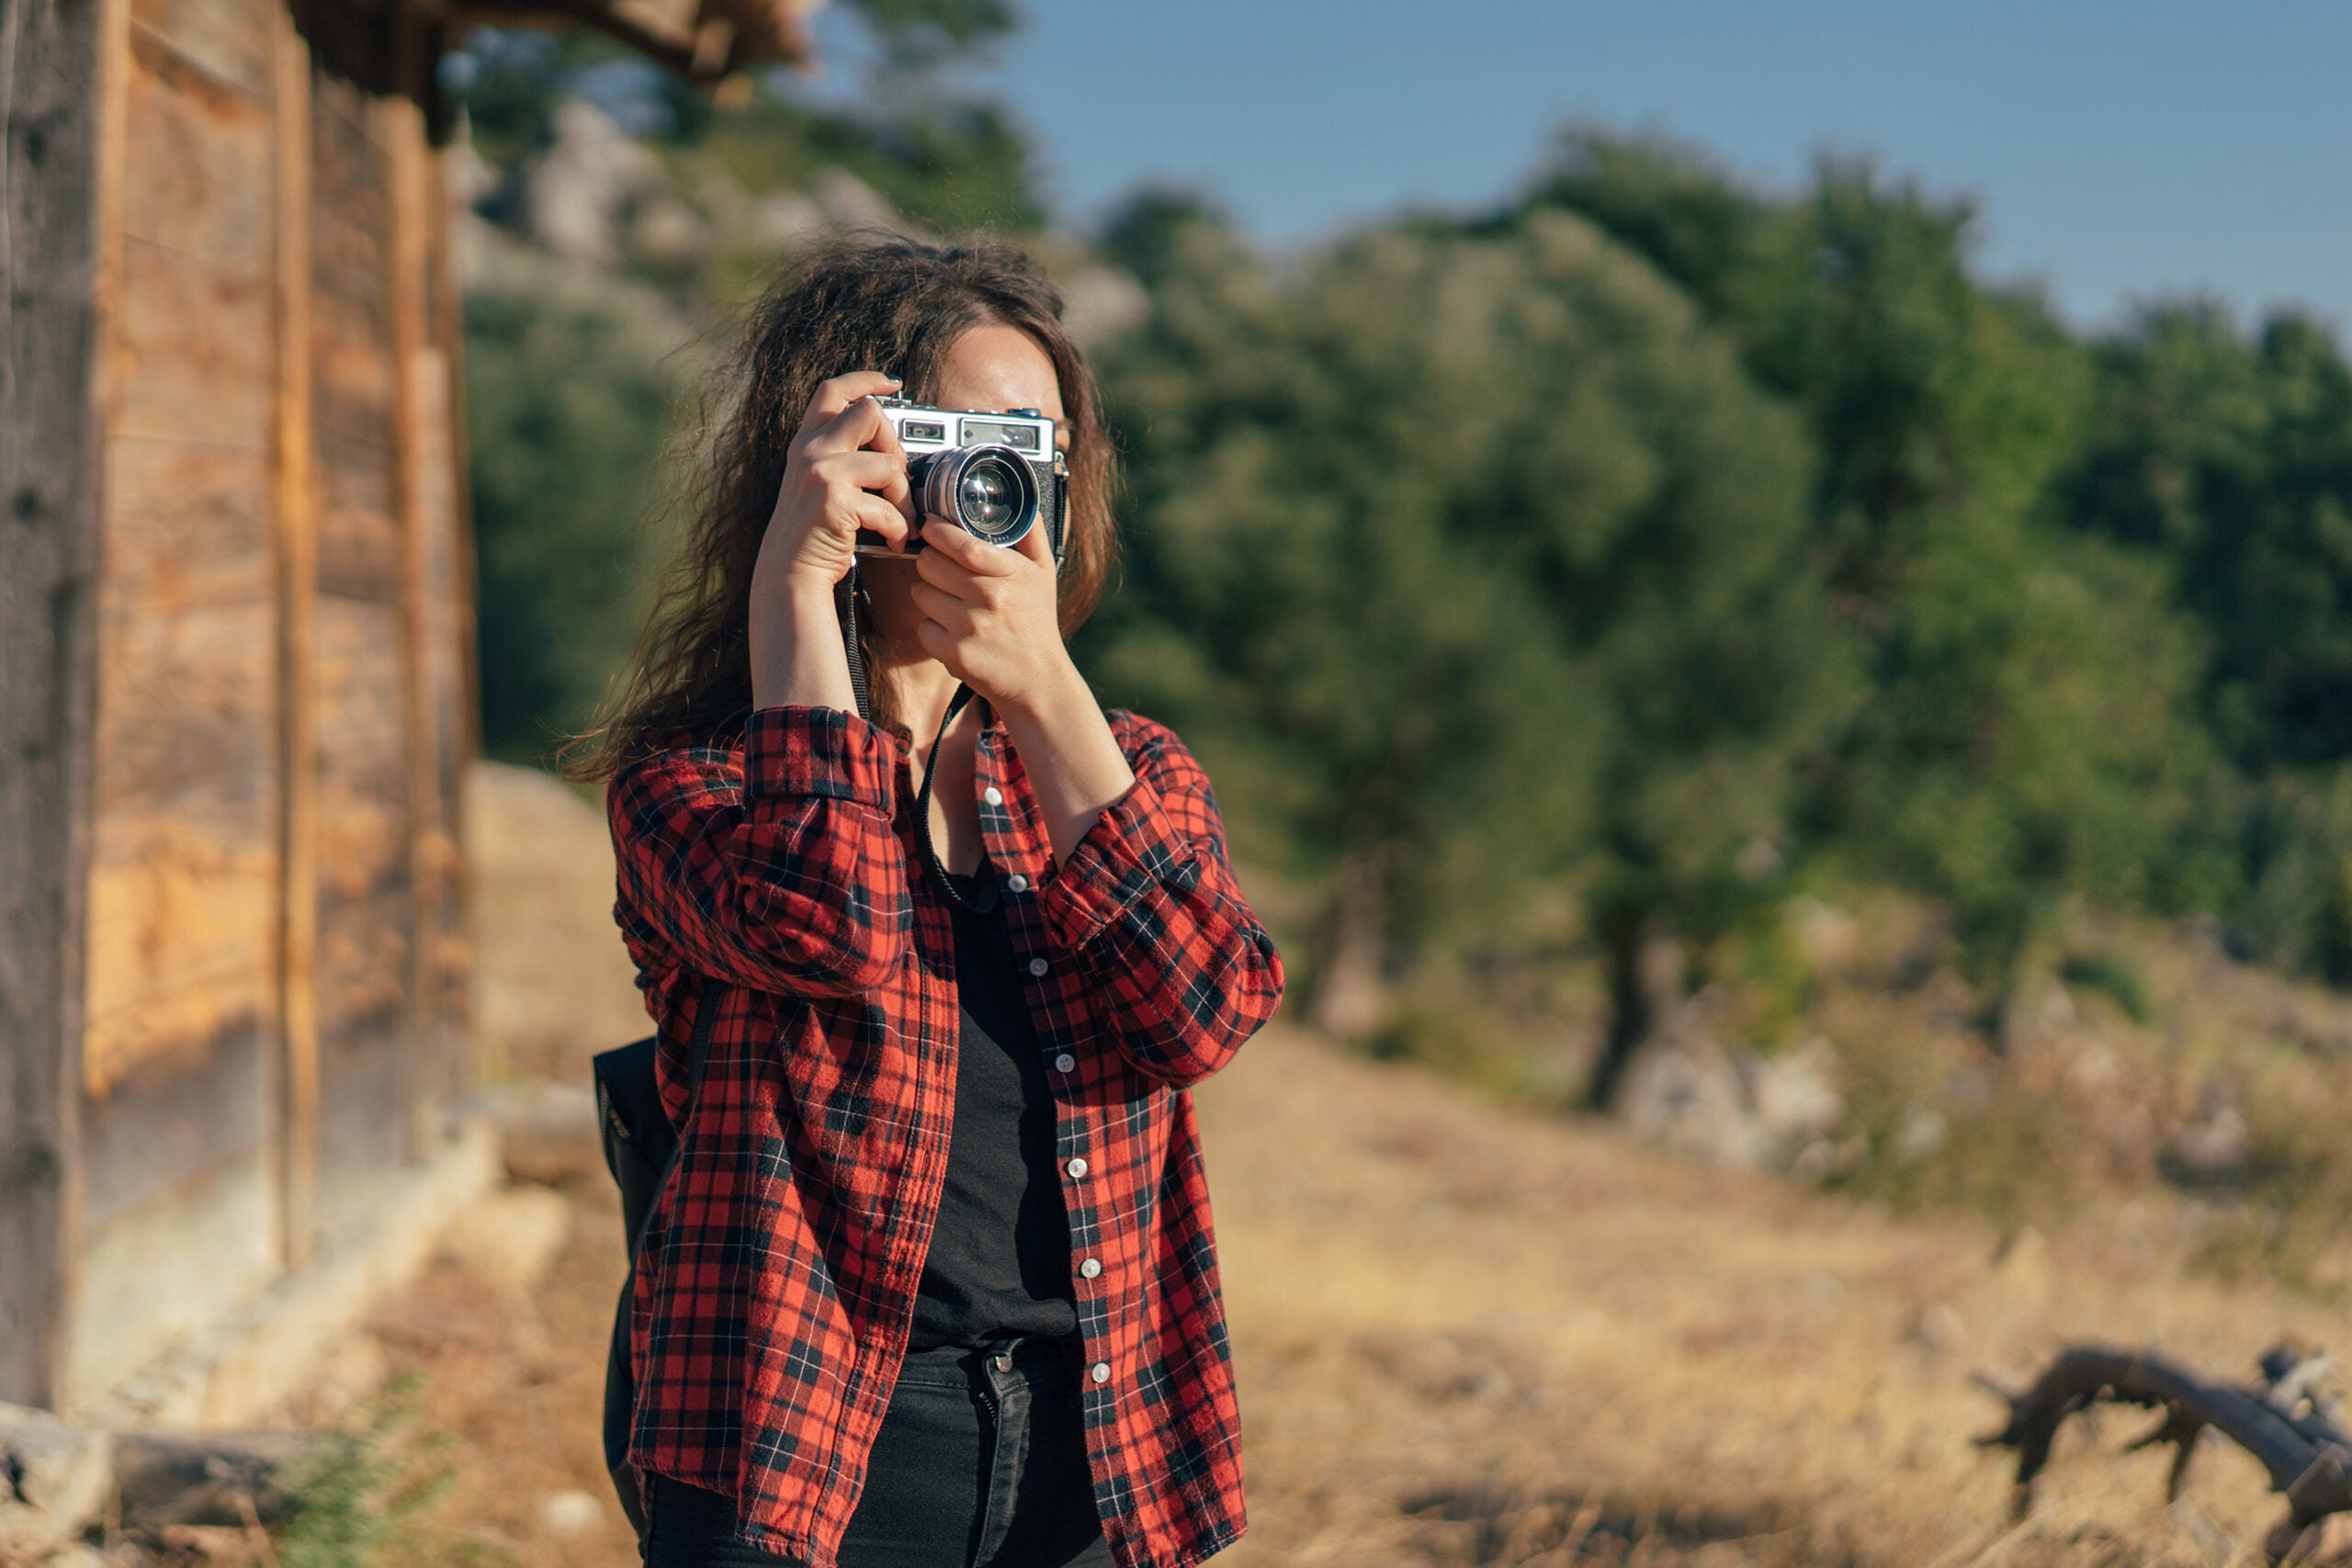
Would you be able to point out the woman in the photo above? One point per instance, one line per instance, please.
(933, 1281)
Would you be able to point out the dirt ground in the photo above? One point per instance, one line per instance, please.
(1463, 1335)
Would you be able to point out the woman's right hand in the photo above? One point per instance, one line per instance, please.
(843, 471)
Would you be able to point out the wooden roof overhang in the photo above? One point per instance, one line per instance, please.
(394, 46)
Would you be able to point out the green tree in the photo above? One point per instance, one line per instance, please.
(2028, 730)
(2228, 457)
(1477, 565)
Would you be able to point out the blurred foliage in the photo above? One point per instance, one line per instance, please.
(2113, 976)
(567, 404)
(369, 1500)
(2028, 730)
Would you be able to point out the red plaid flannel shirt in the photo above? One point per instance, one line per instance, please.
(776, 1285)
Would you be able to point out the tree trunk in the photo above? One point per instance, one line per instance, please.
(1347, 992)
(1645, 988)
(1625, 935)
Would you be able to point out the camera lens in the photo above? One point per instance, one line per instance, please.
(988, 491)
(985, 499)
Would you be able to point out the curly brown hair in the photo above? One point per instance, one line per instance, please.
(892, 304)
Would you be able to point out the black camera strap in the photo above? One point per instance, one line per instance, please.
(846, 595)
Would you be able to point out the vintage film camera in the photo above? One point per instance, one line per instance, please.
(995, 475)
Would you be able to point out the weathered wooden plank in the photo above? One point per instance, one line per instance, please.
(364, 1046)
(196, 348)
(362, 779)
(61, 134)
(440, 857)
(364, 962)
(186, 524)
(355, 376)
(170, 1118)
(227, 39)
(196, 178)
(399, 130)
(179, 940)
(297, 594)
(359, 538)
(351, 242)
(186, 708)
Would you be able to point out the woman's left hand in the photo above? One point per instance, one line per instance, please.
(989, 612)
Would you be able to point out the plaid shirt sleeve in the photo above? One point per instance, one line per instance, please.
(783, 875)
(1149, 904)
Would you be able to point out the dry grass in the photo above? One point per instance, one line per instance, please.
(1465, 1335)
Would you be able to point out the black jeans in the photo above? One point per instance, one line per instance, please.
(980, 1464)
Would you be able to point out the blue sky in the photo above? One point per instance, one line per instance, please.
(2117, 151)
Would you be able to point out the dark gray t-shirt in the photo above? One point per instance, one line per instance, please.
(999, 1263)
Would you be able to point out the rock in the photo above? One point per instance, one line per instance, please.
(1795, 1094)
(547, 1130)
(1690, 1099)
(512, 1236)
(580, 189)
(1732, 1108)
(59, 1475)
(787, 220)
(1921, 1134)
(849, 203)
(667, 228)
(2210, 1150)
(569, 1512)
(1826, 935)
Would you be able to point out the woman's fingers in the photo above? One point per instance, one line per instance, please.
(879, 475)
(1036, 546)
(979, 559)
(938, 605)
(839, 396)
(866, 471)
(865, 510)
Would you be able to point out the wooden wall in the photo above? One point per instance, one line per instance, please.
(49, 490)
(275, 957)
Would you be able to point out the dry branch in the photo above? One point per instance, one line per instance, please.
(2289, 1427)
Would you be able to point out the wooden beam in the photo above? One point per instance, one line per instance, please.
(449, 327)
(296, 542)
(62, 135)
(400, 127)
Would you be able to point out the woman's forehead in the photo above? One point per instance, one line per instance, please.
(994, 368)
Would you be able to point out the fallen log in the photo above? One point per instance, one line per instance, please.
(215, 1478)
(2287, 1422)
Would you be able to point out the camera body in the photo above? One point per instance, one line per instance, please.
(994, 475)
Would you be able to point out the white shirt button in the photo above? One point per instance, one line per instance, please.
(1017, 882)
(1091, 1268)
(1038, 967)
(1102, 1373)
(1065, 1062)
(1078, 1166)
(993, 796)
